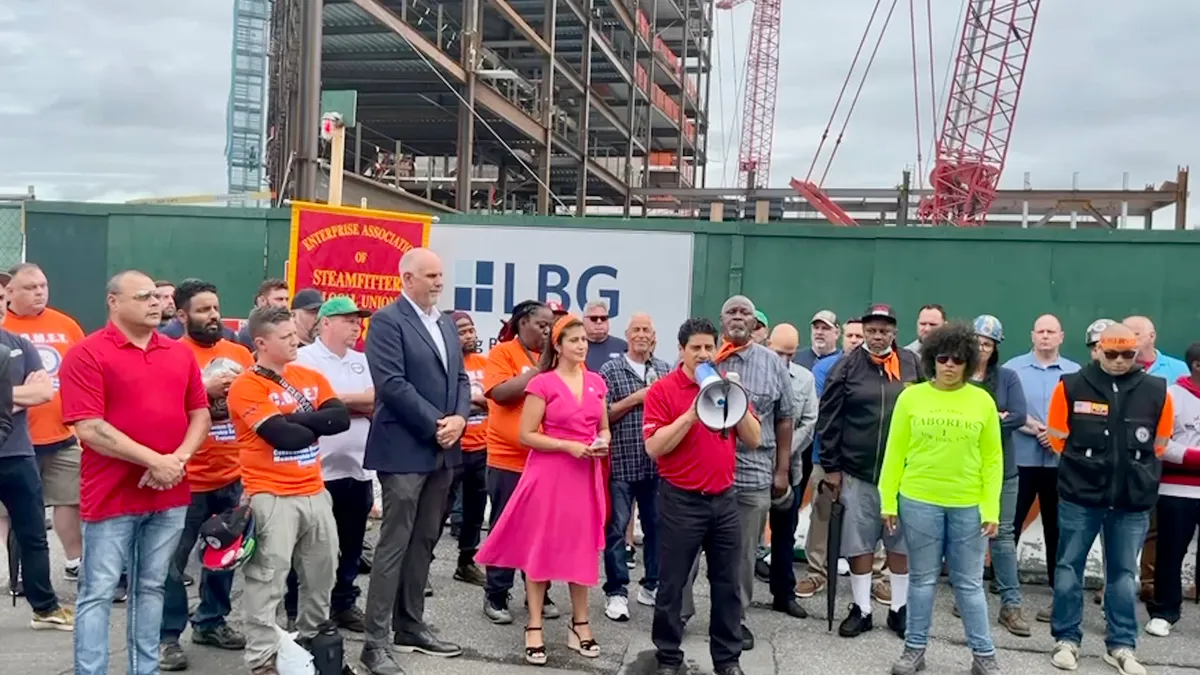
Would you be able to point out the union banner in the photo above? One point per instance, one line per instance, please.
(354, 252)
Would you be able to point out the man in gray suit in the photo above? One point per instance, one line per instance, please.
(422, 399)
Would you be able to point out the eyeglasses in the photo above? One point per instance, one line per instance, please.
(1114, 355)
(597, 319)
(946, 358)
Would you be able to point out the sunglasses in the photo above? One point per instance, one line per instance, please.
(1114, 355)
(946, 358)
(597, 319)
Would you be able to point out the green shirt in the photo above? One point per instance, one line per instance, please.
(944, 448)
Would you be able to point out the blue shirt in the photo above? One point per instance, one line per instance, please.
(1038, 382)
(1168, 367)
(820, 371)
(24, 360)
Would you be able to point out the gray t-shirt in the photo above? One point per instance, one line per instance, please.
(23, 360)
(600, 353)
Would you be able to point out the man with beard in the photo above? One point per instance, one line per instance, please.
(172, 326)
(305, 306)
(214, 474)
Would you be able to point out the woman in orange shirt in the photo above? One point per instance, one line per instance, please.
(510, 366)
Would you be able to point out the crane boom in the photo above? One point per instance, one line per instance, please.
(762, 85)
(981, 108)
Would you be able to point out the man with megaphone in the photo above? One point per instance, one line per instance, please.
(698, 503)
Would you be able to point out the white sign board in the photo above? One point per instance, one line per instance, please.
(490, 269)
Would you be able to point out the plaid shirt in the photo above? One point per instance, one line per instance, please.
(630, 462)
(765, 377)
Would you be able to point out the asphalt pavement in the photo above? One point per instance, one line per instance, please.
(784, 645)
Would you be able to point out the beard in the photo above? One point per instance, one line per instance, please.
(207, 334)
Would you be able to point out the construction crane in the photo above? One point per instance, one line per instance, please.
(762, 83)
(981, 107)
(980, 111)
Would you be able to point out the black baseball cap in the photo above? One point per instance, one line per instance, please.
(879, 311)
(309, 298)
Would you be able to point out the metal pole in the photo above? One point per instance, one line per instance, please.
(1124, 204)
(1074, 187)
(1025, 204)
(310, 100)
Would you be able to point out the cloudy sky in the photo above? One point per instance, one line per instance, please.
(126, 98)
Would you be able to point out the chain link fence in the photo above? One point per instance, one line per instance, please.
(12, 234)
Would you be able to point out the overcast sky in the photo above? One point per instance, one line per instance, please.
(126, 98)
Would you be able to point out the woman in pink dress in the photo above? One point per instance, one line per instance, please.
(553, 526)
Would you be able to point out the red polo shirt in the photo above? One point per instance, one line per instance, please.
(703, 461)
(146, 394)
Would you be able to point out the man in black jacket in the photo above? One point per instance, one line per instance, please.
(853, 420)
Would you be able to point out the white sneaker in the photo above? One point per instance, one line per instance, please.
(1065, 655)
(1124, 661)
(616, 608)
(646, 596)
(1159, 627)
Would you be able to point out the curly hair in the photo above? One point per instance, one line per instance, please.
(956, 339)
(523, 310)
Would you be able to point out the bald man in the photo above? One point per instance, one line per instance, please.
(1149, 357)
(1110, 424)
(785, 341)
(422, 400)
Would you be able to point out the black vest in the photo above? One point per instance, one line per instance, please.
(1109, 459)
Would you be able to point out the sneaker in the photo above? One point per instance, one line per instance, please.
(616, 608)
(470, 574)
(71, 573)
(351, 619)
(984, 665)
(1159, 627)
(630, 557)
(809, 586)
(171, 657)
(1124, 661)
(549, 609)
(496, 610)
(647, 596)
(1065, 655)
(882, 592)
(911, 662)
(57, 619)
(856, 623)
(221, 637)
(1014, 621)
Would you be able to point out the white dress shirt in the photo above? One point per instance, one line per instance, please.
(342, 454)
(430, 319)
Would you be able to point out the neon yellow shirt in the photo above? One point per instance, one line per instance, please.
(944, 449)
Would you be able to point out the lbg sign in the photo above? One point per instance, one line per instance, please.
(490, 286)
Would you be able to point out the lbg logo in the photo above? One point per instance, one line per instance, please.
(487, 286)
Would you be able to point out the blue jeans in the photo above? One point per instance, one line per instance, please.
(145, 545)
(623, 494)
(215, 587)
(1123, 532)
(1004, 547)
(931, 534)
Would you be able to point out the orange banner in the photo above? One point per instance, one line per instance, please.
(355, 252)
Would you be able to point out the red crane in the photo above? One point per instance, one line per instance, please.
(970, 151)
(980, 111)
(762, 83)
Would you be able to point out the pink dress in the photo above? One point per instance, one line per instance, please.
(553, 525)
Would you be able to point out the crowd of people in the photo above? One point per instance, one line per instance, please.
(165, 432)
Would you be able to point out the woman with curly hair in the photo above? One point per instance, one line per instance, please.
(942, 473)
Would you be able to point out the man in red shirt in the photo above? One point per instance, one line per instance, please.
(697, 505)
(140, 411)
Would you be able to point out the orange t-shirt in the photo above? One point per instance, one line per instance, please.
(252, 400)
(53, 333)
(217, 463)
(504, 362)
(475, 437)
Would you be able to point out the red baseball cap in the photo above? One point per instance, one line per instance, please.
(556, 307)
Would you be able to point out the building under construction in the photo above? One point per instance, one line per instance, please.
(547, 107)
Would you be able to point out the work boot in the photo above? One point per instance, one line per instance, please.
(911, 662)
(856, 623)
(1012, 619)
(171, 657)
(222, 637)
(471, 574)
(985, 665)
(351, 619)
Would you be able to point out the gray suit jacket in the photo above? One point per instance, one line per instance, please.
(413, 390)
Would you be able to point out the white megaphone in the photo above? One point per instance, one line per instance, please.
(722, 403)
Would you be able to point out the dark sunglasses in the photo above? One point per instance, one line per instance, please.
(946, 358)
(597, 319)
(1114, 355)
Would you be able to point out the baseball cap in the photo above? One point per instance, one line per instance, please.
(229, 539)
(826, 317)
(1095, 329)
(879, 311)
(341, 305)
(762, 317)
(556, 307)
(309, 298)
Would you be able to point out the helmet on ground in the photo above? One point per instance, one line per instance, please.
(989, 326)
(228, 539)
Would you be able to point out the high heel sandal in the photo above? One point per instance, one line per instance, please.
(535, 655)
(588, 648)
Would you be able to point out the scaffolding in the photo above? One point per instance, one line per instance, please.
(244, 151)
